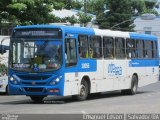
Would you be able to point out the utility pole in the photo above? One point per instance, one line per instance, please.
(85, 7)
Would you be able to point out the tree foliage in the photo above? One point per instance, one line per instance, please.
(121, 12)
(24, 12)
(84, 19)
(72, 20)
(140, 7)
(96, 6)
(73, 4)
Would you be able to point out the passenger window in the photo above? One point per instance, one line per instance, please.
(95, 47)
(154, 55)
(119, 48)
(148, 49)
(108, 47)
(130, 48)
(83, 46)
(70, 52)
(140, 49)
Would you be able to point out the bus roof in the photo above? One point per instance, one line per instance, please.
(111, 33)
(69, 29)
(138, 36)
(91, 31)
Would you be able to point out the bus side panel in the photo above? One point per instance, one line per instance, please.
(74, 75)
(147, 71)
(71, 84)
(97, 80)
(114, 76)
(117, 72)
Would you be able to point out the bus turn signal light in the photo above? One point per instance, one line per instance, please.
(54, 90)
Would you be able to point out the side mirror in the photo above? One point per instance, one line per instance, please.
(3, 49)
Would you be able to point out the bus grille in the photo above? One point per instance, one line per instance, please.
(33, 89)
(28, 77)
(36, 83)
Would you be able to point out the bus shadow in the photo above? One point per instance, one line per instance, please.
(68, 99)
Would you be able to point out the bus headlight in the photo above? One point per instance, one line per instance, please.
(11, 79)
(55, 81)
(14, 79)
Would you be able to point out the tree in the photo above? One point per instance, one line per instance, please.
(119, 11)
(72, 20)
(96, 6)
(73, 4)
(23, 12)
(140, 7)
(84, 19)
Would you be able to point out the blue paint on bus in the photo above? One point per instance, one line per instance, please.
(143, 63)
(142, 36)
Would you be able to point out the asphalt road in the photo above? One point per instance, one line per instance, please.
(147, 100)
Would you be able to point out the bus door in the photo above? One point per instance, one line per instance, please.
(70, 58)
(118, 68)
(95, 50)
(108, 54)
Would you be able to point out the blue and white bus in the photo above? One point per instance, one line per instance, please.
(63, 60)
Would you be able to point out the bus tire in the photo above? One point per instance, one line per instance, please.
(84, 91)
(6, 92)
(98, 94)
(37, 99)
(134, 87)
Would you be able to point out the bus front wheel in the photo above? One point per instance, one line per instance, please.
(37, 99)
(134, 87)
(83, 93)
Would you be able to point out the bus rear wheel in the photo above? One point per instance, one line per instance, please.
(6, 92)
(84, 91)
(37, 99)
(134, 87)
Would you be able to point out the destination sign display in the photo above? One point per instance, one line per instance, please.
(52, 33)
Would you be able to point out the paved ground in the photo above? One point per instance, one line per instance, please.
(147, 100)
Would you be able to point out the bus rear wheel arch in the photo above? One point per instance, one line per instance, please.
(134, 86)
(83, 91)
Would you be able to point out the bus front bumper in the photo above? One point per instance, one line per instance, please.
(34, 90)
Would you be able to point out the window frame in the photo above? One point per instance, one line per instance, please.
(132, 50)
(155, 50)
(94, 49)
(76, 57)
(148, 49)
(121, 48)
(80, 47)
(113, 47)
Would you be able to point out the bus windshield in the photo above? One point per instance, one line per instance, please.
(36, 55)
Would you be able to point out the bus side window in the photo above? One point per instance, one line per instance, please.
(140, 49)
(148, 49)
(83, 46)
(70, 52)
(108, 47)
(154, 55)
(95, 47)
(130, 48)
(119, 48)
